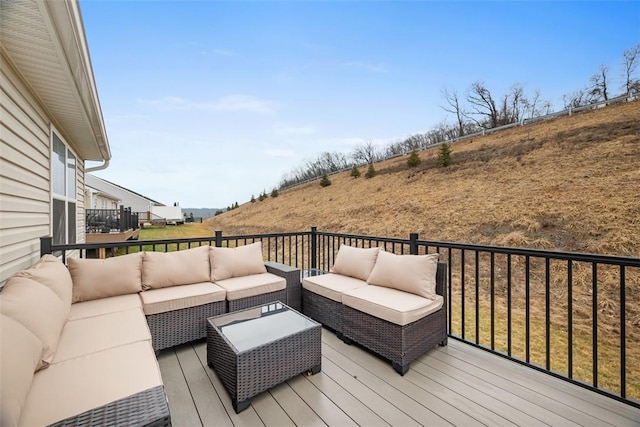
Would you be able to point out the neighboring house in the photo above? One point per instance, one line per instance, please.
(137, 202)
(96, 199)
(50, 124)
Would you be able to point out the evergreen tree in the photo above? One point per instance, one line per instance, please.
(355, 172)
(371, 172)
(325, 182)
(253, 199)
(444, 155)
(274, 193)
(414, 159)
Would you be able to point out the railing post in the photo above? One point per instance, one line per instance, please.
(218, 238)
(121, 219)
(45, 245)
(314, 246)
(413, 243)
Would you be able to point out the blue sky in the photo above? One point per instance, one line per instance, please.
(209, 102)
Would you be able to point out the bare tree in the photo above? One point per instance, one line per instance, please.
(454, 107)
(575, 99)
(599, 85)
(536, 107)
(483, 105)
(365, 153)
(630, 61)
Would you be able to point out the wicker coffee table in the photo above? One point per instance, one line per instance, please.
(255, 349)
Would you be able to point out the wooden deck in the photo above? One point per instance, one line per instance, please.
(452, 385)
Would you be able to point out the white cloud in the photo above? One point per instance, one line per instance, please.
(374, 68)
(234, 103)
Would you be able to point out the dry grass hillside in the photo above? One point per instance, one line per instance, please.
(570, 183)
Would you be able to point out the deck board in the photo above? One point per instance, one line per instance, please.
(453, 385)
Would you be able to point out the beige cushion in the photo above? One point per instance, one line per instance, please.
(410, 273)
(20, 353)
(85, 336)
(98, 307)
(390, 304)
(38, 309)
(332, 285)
(355, 262)
(236, 262)
(101, 278)
(52, 273)
(250, 286)
(162, 269)
(77, 385)
(178, 297)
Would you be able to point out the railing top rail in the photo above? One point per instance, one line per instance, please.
(363, 237)
(541, 253)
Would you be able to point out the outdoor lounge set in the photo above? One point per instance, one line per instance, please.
(79, 341)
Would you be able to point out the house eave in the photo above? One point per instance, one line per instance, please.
(45, 42)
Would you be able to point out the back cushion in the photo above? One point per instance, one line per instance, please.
(102, 278)
(237, 262)
(38, 309)
(21, 351)
(51, 272)
(410, 273)
(355, 262)
(163, 269)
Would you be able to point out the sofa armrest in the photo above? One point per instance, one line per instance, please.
(292, 276)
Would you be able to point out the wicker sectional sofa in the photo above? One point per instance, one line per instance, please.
(79, 342)
(394, 305)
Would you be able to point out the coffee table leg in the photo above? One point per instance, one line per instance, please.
(240, 406)
(315, 369)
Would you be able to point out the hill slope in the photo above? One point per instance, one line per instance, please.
(571, 183)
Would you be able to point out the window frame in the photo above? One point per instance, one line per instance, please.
(70, 232)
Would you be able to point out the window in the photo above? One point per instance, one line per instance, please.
(63, 192)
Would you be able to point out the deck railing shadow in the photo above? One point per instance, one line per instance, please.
(574, 316)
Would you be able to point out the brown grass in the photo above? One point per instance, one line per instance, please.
(571, 183)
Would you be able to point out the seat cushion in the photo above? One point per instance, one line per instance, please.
(164, 269)
(410, 273)
(77, 385)
(392, 305)
(156, 301)
(102, 278)
(236, 262)
(93, 334)
(51, 272)
(20, 352)
(332, 285)
(252, 285)
(38, 309)
(98, 307)
(355, 262)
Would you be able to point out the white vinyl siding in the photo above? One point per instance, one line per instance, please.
(25, 177)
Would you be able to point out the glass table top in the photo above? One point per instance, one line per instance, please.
(256, 326)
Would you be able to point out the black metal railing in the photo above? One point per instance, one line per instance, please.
(574, 316)
(111, 220)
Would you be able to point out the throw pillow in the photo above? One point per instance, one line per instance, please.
(355, 262)
(102, 278)
(410, 273)
(236, 262)
(186, 267)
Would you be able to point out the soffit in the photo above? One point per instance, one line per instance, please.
(45, 43)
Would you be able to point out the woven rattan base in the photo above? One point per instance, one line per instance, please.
(181, 326)
(242, 303)
(147, 408)
(323, 310)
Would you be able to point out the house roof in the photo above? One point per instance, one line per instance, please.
(125, 189)
(45, 42)
(102, 193)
